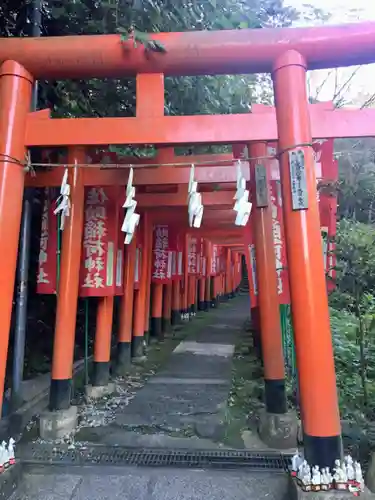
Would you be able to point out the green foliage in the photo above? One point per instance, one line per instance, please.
(353, 316)
(355, 259)
(349, 362)
(357, 179)
(141, 38)
(344, 327)
(353, 301)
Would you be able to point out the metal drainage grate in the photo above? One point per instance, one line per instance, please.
(115, 455)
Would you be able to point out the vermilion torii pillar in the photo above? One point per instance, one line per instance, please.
(15, 100)
(127, 306)
(270, 327)
(148, 257)
(140, 316)
(167, 308)
(315, 360)
(185, 296)
(157, 312)
(66, 311)
(149, 104)
(175, 313)
(102, 347)
(192, 285)
(228, 274)
(207, 295)
(202, 293)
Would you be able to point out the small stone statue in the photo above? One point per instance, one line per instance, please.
(349, 469)
(326, 479)
(358, 476)
(296, 462)
(301, 469)
(329, 477)
(336, 470)
(343, 472)
(11, 456)
(2, 457)
(316, 478)
(306, 480)
(5, 454)
(340, 476)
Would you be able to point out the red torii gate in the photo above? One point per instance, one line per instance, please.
(287, 53)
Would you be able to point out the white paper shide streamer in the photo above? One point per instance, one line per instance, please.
(242, 204)
(63, 201)
(195, 206)
(131, 220)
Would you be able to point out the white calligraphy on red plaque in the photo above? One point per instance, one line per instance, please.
(137, 265)
(138, 255)
(94, 234)
(100, 267)
(162, 256)
(192, 256)
(202, 258)
(42, 274)
(279, 243)
(214, 259)
(120, 250)
(177, 256)
(47, 262)
(251, 264)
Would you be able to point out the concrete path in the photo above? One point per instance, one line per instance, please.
(150, 484)
(187, 398)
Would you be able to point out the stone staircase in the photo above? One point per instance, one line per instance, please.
(244, 286)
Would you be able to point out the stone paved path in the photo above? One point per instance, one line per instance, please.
(187, 398)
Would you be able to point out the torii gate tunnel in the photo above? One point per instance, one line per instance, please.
(287, 54)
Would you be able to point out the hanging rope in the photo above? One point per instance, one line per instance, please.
(111, 166)
(30, 167)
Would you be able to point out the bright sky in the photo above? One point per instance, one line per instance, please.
(363, 82)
